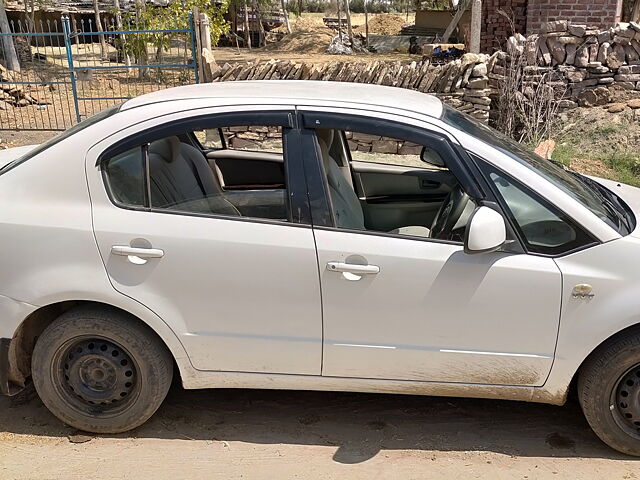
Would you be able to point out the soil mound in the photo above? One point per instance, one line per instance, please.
(304, 40)
(383, 24)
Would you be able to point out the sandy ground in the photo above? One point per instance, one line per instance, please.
(280, 435)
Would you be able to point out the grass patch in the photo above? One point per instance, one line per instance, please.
(564, 153)
(603, 131)
(626, 165)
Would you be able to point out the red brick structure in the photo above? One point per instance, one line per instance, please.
(497, 27)
(596, 13)
(529, 16)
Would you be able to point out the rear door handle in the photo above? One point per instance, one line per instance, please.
(137, 255)
(353, 268)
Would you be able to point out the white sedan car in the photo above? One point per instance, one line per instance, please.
(315, 236)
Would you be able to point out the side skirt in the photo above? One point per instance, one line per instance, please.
(210, 379)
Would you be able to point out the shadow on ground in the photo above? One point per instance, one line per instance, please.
(360, 425)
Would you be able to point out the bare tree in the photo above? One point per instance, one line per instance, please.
(347, 12)
(247, 31)
(286, 15)
(366, 22)
(8, 48)
(103, 43)
(30, 15)
(258, 17)
(123, 40)
(635, 12)
(142, 52)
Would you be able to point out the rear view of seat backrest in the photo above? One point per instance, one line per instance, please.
(179, 173)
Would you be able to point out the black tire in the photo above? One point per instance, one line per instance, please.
(100, 370)
(609, 392)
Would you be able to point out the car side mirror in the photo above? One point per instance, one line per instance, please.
(486, 231)
(431, 157)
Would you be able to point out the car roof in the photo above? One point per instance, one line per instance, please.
(297, 92)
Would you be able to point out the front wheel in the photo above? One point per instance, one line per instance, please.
(609, 393)
(100, 370)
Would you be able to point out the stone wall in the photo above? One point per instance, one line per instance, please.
(581, 58)
(598, 13)
(270, 139)
(462, 83)
(579, 61)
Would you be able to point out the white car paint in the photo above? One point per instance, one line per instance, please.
(413, 321)
(9, 154)
(500, 325)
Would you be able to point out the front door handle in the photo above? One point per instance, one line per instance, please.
(353, 268)
(136, 255)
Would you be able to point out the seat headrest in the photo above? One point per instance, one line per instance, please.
(325, 138)
(167, 148)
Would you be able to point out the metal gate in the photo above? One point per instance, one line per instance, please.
(70, 70)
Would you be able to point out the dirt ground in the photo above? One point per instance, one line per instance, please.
(260, 434)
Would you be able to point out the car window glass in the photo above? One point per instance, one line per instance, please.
(572, 184)
(125, 174)
(182, 177)
(544, 229)
(254, 138)
(209, 138)
(365, 147)
(384, 195)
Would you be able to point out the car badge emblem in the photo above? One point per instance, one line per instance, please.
(582, 290)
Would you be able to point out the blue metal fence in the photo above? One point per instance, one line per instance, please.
(69, 69)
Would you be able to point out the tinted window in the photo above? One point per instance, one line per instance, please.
(209, 138)
(543, 228)
(125, 174)
(572, 184)
(184, 178)
(365, 147)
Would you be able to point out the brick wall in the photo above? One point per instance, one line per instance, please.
(596, 13)
(497, 28)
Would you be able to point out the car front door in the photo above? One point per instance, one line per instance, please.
(239, 289)
(407, 308)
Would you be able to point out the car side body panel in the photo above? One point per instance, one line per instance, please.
(50, 255)
(612, 270)
(430, 313)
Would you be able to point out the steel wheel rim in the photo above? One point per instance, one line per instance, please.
(625, 402)
(96, 376)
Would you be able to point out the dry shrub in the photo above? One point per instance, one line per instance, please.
(527, 107)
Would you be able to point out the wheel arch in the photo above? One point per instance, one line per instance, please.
(559, 394)
(26, 335)
(630, 330)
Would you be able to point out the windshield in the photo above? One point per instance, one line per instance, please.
(589, 193)
(58, 138)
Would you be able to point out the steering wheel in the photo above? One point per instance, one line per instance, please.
(449, 213)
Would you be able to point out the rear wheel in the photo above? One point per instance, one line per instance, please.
(100, 370)
(609, 392)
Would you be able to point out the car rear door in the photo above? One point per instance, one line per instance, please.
(242, 293)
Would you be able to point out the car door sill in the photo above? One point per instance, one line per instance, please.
(215, 379)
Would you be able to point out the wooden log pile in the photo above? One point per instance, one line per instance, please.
(462, 83)
(14, 94)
